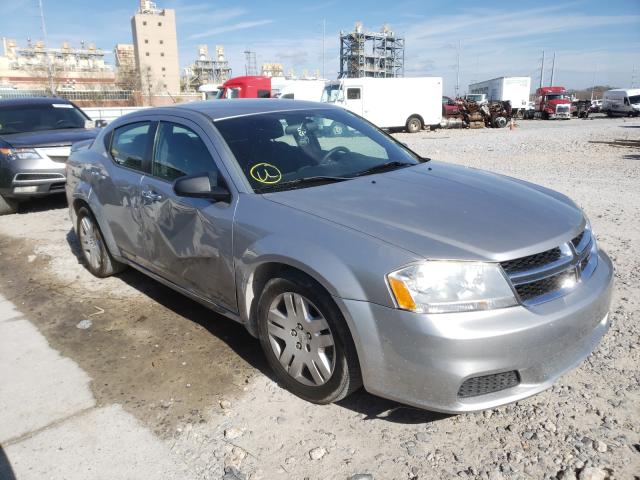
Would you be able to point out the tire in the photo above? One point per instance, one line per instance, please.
(8, 205)
(414, 124)
(95, 254)
(500, 122)
(311, 354)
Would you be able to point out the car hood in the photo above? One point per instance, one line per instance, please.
(438, 210)
(50, 138)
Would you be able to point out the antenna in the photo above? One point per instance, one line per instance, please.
(542, 70)
(52, 86)
(458, 68)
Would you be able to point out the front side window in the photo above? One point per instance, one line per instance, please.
(279, 150)
(332, 93)
(35, 118)
(180, 151)
(353, 93)
(129, 143)
(634, 99)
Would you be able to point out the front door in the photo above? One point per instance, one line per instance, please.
(188, 240)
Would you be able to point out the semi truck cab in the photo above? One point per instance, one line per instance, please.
(254, 86)
(553, 102)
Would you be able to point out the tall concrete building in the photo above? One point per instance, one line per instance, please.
(156, 49)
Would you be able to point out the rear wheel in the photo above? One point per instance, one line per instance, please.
(306, 340)
(97, 258)
(8, 205)
(414, 124)
(500, 122)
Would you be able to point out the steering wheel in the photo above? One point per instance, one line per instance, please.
(326, 159)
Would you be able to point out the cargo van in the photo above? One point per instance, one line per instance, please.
(621, 101)
(409, 103)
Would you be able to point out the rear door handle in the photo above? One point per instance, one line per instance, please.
(149, 196)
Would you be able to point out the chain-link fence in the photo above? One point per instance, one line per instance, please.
(80, 95)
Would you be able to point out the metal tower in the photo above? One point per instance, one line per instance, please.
(250, 66)
(371, 54)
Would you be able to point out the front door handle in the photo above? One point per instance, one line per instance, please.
(149, 196)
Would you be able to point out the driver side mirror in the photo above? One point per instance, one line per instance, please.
(202, 185)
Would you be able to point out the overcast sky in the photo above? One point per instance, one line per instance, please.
(592, 39)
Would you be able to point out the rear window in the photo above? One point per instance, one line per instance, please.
(36, 118)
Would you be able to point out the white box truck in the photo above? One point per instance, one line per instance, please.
(409, 103)
(621, 101)
(310, 90)
(514, 89)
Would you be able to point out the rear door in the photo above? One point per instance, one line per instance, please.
(129, 147)
(187, 240)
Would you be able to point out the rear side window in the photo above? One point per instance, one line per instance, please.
(353, 93)
(180, 151)
(129, 144)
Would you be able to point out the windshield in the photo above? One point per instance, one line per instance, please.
(331, 93)
(557, 96)
(275, 148)
(34, 118)
(229, 92)
(634, 99)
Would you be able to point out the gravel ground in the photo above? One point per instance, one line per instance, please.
(200, 382)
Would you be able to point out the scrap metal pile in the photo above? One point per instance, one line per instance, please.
(470, 114)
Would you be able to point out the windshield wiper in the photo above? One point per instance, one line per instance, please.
(383, 167)
(302, 181)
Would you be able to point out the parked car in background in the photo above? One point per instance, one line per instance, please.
(596, 106)
(352, 259)
(621, 102)
(36, 135)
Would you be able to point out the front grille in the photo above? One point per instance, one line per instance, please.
(485, 384)
(576, 241)
(532, 261)
(25, 177)
(57, 187)
(538, 288)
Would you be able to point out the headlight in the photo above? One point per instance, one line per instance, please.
(20, 153)
(447, 286)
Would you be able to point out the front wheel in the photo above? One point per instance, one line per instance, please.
(414, 124)
(97, 258)
(8, 205)
(500, 122)
(306, 341)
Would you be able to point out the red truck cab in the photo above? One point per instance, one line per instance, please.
(553, 102)
(246, 87)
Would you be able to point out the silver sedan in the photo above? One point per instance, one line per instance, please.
(353, 260)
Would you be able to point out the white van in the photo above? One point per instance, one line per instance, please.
(310, 90)
(409, 103)
(621, 101)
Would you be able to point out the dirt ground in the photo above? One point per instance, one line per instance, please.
(201, 384)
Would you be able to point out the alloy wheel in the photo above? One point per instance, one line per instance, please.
(90, 243)
(301, 339)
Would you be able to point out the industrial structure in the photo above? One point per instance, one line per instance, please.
(250, 66)
(207, 70)
(156, 49)
(272, 70)
(371, 54)
(126, 70)
(35, 66)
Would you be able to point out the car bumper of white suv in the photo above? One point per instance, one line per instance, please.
(471, 361)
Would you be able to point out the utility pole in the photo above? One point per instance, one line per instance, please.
(593, 82)
(542, 70)
(52, 87)
(553, 67)
(324, 28)
(458, 69)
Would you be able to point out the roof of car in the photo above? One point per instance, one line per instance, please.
(16, 102)
(236, 107)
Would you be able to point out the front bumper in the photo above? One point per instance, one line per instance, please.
(422, 360)
(31, 178)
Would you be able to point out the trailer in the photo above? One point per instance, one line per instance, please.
(515, 90)
(409, 103)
